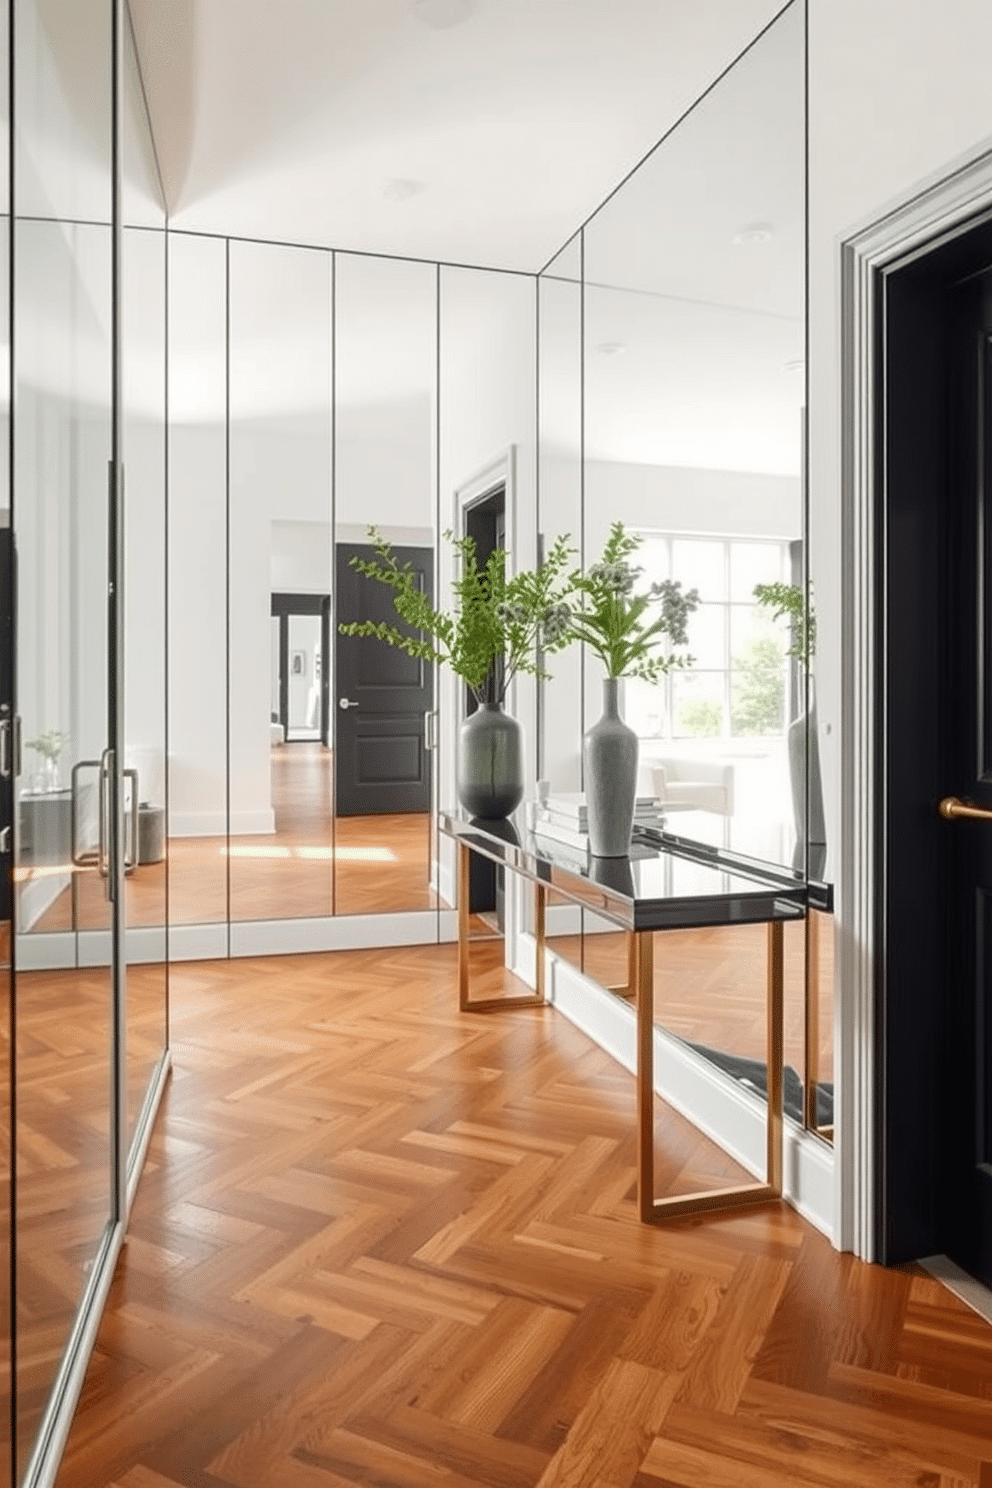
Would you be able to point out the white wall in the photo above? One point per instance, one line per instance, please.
(197, 538)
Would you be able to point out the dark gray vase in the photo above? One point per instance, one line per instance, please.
(609, 753)
(490, 763)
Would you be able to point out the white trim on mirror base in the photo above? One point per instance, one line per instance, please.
(718, 1105)
(935, 210)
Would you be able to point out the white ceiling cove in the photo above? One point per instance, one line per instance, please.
(375, 125)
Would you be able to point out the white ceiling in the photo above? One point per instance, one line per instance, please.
(353, 124)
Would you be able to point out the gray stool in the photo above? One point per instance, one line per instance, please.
(151, 833)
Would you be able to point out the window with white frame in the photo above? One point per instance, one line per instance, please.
(737, 685)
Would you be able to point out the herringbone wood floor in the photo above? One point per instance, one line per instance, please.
(379, 1242)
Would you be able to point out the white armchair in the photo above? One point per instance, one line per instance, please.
(681, 784)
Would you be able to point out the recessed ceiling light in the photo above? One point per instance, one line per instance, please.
(755, 232)
(401, 190)
(441, 14)
(611, 348)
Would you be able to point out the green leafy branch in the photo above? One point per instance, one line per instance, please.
(627, 630)
(788, 599)
(496, 622)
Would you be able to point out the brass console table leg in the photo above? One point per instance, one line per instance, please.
(493, 1004)
(652, 1210)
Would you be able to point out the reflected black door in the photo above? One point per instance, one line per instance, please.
(380, 696)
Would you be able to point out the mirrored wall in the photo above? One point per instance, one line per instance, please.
(672, 399)
(88, 763)
(313, 396)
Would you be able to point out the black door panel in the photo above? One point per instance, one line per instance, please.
(381, 697)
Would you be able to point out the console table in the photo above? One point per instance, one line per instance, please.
(663, 885)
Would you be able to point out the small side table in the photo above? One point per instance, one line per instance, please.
(665, 887)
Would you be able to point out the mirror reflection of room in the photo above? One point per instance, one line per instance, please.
(688, 427)
(385, 361)
(281, 831)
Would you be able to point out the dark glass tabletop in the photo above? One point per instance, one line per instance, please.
(663, 884)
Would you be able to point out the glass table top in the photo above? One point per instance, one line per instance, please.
(663, 884)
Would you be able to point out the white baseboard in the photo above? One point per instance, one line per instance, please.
(48, 952)
(333, 933)
(214, 823)
(718, 1105)
(198, 942)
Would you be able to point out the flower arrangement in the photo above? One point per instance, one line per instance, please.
(496, 625)
(49, 744)
(625, 628)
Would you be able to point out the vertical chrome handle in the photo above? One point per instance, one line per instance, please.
(430, 729)
(131, 851)
(84, 858)
(18, 752)
(6, 732)
(108, 828)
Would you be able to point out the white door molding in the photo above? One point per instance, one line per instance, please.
(934, 212)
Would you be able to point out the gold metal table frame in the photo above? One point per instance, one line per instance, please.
(650, 1208)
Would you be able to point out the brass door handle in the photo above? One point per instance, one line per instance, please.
(952, 808)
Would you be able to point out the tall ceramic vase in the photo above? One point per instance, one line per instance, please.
(609, 752)
(490, 763)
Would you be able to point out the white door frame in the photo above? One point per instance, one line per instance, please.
(935, 211)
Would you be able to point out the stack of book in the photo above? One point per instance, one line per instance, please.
(564, 818)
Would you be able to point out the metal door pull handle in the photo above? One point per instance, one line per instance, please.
(952, 808)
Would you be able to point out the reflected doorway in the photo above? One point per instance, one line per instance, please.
(382, 761)
(301, 680)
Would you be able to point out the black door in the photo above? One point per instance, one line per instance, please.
(969, 757)
(935, 1093)
(382, 696)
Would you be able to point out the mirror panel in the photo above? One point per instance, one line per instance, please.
(143, 313)
(559, 511)
(693, 406)
(282, 831)
(62, 394)
(385, 399)
(197, 589)
(690, 432)
(693, 423)
(487, 489)
(6, 787)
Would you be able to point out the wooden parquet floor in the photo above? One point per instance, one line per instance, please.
(379, 1242)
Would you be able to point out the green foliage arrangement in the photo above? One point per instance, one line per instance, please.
(626, 629)
(496, 625)
(787, 599)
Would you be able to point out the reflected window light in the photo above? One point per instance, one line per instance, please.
(255, 852)
(349, 854)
